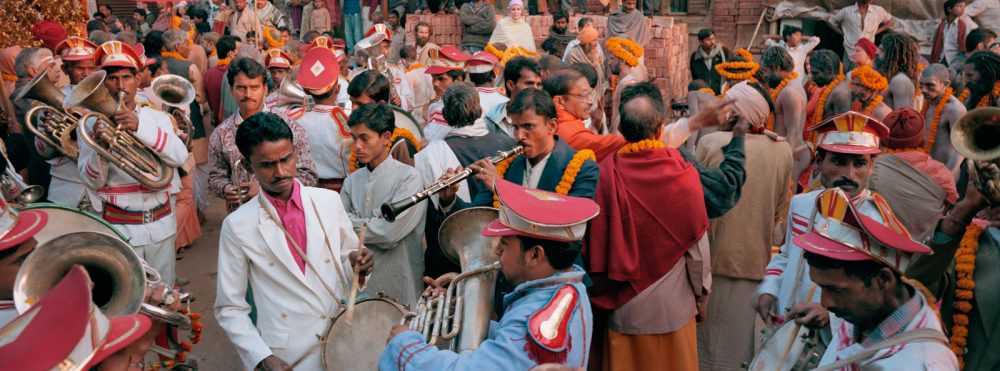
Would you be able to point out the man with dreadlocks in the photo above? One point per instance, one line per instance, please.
(778, 73)
(867, 86)
(828, 74)
(897, 60)
(982, 79)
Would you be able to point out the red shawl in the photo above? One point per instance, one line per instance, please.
(652, 211)
(938, 47)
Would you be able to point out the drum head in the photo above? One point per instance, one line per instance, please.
(405, 120)
(64, 219)
(359, 347)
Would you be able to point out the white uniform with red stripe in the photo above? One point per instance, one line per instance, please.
(402, 86)
(782, 272)
(154, 241)
(437, 127)
(490, 98)
(329, 139)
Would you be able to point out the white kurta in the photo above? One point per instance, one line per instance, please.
(782, 272)
(926, 355)
(327, 139)
(398, 246)
(294, 310)
(489, 98)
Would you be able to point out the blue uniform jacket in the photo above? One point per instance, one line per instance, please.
(508, 346)
(585, 184)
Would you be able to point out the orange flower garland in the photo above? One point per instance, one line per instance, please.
(517, 51)
(818, 113)
(641, 145)
(268, 31)
(413, 67)
(568, 178)
(964, 96)
(493, 50)
(874, 103)
(224, 61)
(625, 49)
(929, 143)
(988, 98)
(774, 97)
(352, 163)
(870, 78)
(708, 90)
(173, 55)
(193, 339)
(965, 267)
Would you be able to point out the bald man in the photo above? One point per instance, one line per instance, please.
(934, 82)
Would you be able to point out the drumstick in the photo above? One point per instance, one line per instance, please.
(306, 354)
(795, 334)
(355, 282)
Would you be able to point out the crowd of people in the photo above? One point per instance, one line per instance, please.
(841, 194)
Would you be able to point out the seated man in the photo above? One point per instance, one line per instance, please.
(878, 320)
(548, 313)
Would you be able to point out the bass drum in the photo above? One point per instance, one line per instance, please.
(791, 348)
(64, 219)
(373, 320)
(405, 120)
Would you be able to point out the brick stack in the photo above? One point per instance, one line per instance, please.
(666, 55)
(735, 20)
(447, 28)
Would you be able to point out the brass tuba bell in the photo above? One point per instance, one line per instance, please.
(61, 123)
(177, 94)
(292, 96)
(977, 137)
(119, 278)
(122, 148)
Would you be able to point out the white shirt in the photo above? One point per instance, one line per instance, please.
(799, 53)
(986, 13)
(951, 36)
(533, 173)
(489, 98)
(328, 142)
(849, 20)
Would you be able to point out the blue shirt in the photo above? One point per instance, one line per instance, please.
(352, 6)
(507, 346)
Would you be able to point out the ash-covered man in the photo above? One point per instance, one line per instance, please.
(548, 317)
(66, 187)
(144, 215)
(941, 110)
(293, 245)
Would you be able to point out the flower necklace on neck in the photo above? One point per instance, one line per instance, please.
(774, 97)
(929, 143)
(173, 55)
(820, 105)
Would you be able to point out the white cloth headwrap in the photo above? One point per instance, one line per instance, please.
(749, 103)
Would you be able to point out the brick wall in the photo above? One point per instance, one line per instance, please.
(666, 55)
(734, 21)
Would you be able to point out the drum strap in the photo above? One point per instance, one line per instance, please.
(298, 250)
(920, 335)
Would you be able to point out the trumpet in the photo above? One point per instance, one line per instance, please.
(391, 210)
(176, 94)
(238, 177)
(122, 148)
(60, 124)
(16, 191)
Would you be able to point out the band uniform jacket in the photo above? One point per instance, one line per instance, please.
(114, 186)
(294, 309)
(781, 273)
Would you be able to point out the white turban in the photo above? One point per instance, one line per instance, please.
(749, 103)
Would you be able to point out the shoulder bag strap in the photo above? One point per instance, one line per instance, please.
(920, 335)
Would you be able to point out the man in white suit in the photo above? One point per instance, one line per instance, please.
(294, 246)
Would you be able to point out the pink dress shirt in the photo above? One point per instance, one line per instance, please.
(293, 217)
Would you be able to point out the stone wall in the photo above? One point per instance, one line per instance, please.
(666, 55)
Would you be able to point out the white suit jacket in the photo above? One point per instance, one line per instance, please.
(294, 309)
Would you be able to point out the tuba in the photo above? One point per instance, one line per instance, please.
(464, 311)
(122, 148)
(176, 94)
(119, 278)
(291, 96)
(59, 130)
(376, 59)
(977, 137)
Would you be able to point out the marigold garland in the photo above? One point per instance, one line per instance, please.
(413, 67)
(708, 90)
(745, 54)
(641, 145)
(871, 106)
(870, 78)
(173, 55)
(224, 61)
(352, 163)
(965, 266)
(774, 97)
(9, 77)
(568, 178)
(625, 49)
(823, 95)
(493, 50)
(988, 98)
(193, 339)
(747, 70)
(270, 39)
(517, 51)
(929, 143)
